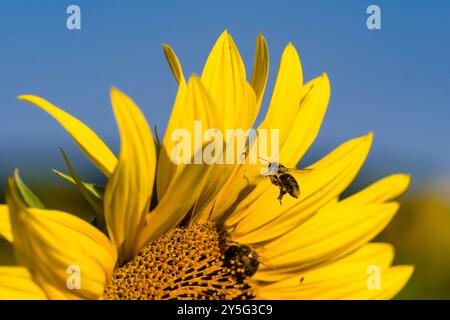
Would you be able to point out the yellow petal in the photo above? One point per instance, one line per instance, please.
(166, 168)
(340, 227)
(52, 243)
(231, 104)
(128, 192)
(16, 284)
(260, 68)
(89, 142)
(286, 95)
(174, 64)
(183, 183)
(326, 236)
(221, 173)
(183, 193)
(260, 217)
(380, 254)
(284, 106)
(192, 103)
(224, 77)
(5, 226)
(383, 190)
(347, 278)
(307, 121)
(393, 281)
(351, 287)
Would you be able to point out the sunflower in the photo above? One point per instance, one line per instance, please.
(203, 231)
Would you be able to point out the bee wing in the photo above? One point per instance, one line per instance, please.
(300, 172)
(253, 178)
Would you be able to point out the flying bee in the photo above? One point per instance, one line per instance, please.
(284, 180)
(281, 177)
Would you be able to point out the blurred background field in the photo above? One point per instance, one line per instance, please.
(421, 235)
(394, 81)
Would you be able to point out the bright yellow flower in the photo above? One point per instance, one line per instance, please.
(208, 233)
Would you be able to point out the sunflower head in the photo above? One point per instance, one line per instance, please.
(193, 216)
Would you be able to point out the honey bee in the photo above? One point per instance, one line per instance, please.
(279, 176)
(243, 257)
(285, 181)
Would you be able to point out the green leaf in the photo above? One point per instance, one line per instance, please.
(28, 196)
(92, 194)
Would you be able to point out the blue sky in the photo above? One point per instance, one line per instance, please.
(394, 81)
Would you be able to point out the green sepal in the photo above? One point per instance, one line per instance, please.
(154, 199)
(92, 194)
(28, 196)
(96, 190)
(157, 142)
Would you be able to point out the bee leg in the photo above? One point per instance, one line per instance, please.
(282, 193)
